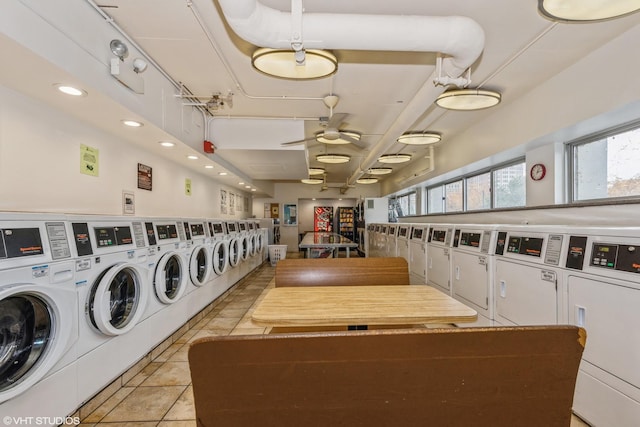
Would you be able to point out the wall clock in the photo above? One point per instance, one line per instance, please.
(538, 171)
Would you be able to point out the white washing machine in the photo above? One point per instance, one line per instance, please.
(199, 257)
(472, 263)
(38, 318)
(602, 278)
(369, 242)
(418, 254)
(528, 284)
(391, 246)
(219, 248)
(235, 251)
(439, 241)
(112, 284)
(259, 240)
(404, 235)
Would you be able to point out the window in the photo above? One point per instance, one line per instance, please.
(453, 196)
(607, 167)
(509, 186)
(478, 194)
(435, 199)
(405, 205)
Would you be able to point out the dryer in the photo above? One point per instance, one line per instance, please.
(418, 254)
(391, 246)
(439, 241)
(528, 285)
(472, 263)
(369, 243)
(112, 284)
(404, 235)
(38, 317)
(602, 279)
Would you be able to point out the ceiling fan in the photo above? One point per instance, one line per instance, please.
(332, 134)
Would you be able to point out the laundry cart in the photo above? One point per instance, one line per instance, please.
(439, 257)
(276, 253)
(602, 278)
(528, 284)
(472, 263)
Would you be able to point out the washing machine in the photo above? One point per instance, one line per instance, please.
(235, 251)
(391, 245)
(439, 241)
(38, 317)
(219, 248)
(259, 240)
(418, 254)
(404, 235)
(112, 281)
(472, 262)
(199, 257)
(602, 277)
(369, 242)
(528, 284)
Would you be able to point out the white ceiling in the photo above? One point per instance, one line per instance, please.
(191, 42)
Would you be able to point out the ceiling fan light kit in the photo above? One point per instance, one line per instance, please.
(328, 137)
(379, 171)
(282, 63)
(586, 10)
(468, 99)
(394, 158)
(333, 158)
(419, 138)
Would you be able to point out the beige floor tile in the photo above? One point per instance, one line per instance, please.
(223, 323)
(184, 408)
(128, 424)
(168, 352)
(186, 337)
(181, 355)
(169, 374)
(191, 423)
(107, 406)
(248, 331)
(145, 404)
(144, 374)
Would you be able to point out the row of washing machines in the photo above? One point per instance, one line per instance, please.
(84, 298)
(534, 275)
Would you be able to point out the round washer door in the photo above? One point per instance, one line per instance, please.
(244, 247)
(234, 252)
(199, 265)
(258, 243)
(220, 256)
(252, 244)
(170, 279)
(35, 332)
(117, 299)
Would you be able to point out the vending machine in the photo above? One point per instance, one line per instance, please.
(323, 218)
(345, 223)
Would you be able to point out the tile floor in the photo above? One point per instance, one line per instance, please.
(158, 391)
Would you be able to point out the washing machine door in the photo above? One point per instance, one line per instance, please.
(252, 245)
(244, 247)
(199, 265)
(170, 279)
(220, 257)
(258, 243)
(117, 299)
(234, 252)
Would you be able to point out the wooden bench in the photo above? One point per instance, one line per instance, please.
(481, 377)
(342, 272)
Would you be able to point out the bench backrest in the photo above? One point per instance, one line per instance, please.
(506, 376)
(342, 272)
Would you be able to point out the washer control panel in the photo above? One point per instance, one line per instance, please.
(616, 257)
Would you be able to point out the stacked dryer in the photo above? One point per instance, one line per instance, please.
(418, 254)
(38, 318)
(602, 279)
(472, 263)
(439, 241)
(112, 284)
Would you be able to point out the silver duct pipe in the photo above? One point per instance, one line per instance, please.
(459, 39)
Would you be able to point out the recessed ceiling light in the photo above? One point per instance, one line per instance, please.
(192, 157)
(379, 171)
(222, 173)
(312, 181)
(282, 63)
(253, 189)
(394, 158)
(70, 90)
(586, 10)
(468, 99)
(333, 158)
(419, 138)
(367, 180)
(247, 186)
(167, 144)
(241, 183)
(208, 167)
(132, 123)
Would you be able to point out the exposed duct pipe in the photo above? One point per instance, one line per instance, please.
(459, 39)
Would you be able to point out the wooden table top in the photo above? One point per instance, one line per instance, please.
(359, 305)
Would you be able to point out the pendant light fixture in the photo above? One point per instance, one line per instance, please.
(333, 158)
(316, 171)
(394, 158)
(419, 138)
(311, 180)
(379, 171)
(468, 99)
(282, 63)
(367, 180)
(586, 10)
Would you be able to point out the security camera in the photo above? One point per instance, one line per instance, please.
(139, 65)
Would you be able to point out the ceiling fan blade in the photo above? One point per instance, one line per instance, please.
(352, 140)
(336, 120)
(302, 141)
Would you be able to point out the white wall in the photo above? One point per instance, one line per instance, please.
(40, 169)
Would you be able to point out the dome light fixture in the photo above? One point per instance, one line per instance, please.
(333, 158)
(321, 138)
(167, 144)
(311, 180)
(379, 171)
(586, 10)
(367, 180)
(282, 63)
(394, 158)
(419, 138)
(468, 99)
(70, 90)
(132, 123)
(316, 171)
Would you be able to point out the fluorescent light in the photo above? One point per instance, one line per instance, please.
(316, 171)
(468, 99)
(208, 167)
(586, 10)
(223, 173)
(379, 171)
(282, 63)
(367, 180)
(70, 90)
(132, 123)
(419, 138)
(394, 158)
(312, 181)
(333, 158)
(167, 144)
